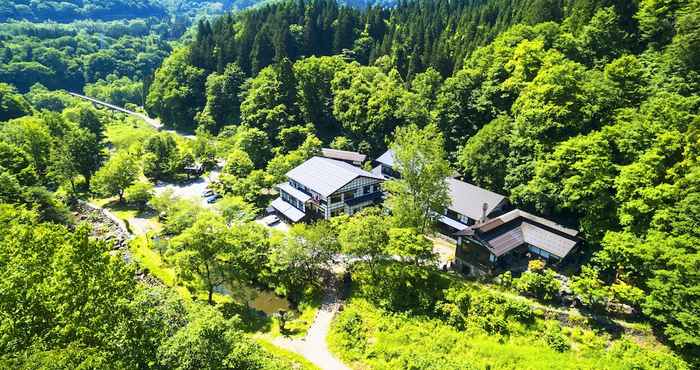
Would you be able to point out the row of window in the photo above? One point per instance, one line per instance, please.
(541, 252)
(293, 201)
(367, 189)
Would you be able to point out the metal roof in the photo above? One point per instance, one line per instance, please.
(547, 240)
(287, 209)
(387, 158)
(468, 199)
(294, 192)
(515, 228)
(325, 175)
(452, 223)
(515, 214)
(343, 155)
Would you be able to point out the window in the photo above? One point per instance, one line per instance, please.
(349, 195)
(367, 189)
(538, 251)
(336, 199)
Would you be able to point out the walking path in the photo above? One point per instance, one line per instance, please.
(313, 346)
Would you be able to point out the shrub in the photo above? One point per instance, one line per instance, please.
(554, 338)
(455, 308)
(139, 193)
(590, 289)
(505, 279)
(485, 310)
(404, 287)
(538, 283)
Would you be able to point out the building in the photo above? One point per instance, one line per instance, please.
(323, 187)
(353, 158)
(469, 205)
(509, 241)
(385, 166)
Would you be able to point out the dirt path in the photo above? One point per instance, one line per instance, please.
(313, 346)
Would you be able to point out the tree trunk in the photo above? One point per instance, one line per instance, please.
(210, 286)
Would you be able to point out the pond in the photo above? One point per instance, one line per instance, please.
(261, 300)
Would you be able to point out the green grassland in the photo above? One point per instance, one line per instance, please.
(368, 337)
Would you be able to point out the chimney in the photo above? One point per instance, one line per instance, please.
(484, 208)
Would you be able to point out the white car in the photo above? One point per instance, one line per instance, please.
(271, 220)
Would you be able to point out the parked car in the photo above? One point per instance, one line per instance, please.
(213, 198)
(271, 220)
(207, 193)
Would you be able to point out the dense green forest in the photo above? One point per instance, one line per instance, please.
(590, 118)
(68, 11)
(109, 10)
(582, 111)
(71, 56)
(67, 45)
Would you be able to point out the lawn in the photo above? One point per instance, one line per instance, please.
(125, 133)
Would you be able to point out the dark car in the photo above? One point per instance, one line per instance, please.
(213, 198)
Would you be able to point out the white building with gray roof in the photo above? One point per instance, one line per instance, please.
(323, 187)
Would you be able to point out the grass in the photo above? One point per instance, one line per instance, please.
(299, 325)
(153, 261)
(124, 134)
(294, 360)
(365, 336)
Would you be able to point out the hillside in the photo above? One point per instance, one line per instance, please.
(569, 118)
(431, 185)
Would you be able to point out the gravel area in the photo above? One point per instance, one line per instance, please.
(192, 189)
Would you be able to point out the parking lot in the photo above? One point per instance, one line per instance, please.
(191, 190)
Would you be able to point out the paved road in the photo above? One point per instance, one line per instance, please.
(313, 346)
(153, 122)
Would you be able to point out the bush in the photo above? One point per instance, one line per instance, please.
(404, 287)
(541, 284)
(505, 279)
(350, 326)
(139, 193)
(590, 289)
(485, 310)
(554, 338)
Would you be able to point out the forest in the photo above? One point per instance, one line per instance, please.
(591, 120)
(582, 111)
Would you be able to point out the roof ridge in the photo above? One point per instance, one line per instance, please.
(344, 166)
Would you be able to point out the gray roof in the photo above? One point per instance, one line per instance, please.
(296, 193)
(452, 223)
(387, 158)
(325, 175)
(287, 209)
(343, 155)
(468, 199)
(531, 234)
(515, 228)
(515, 214)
